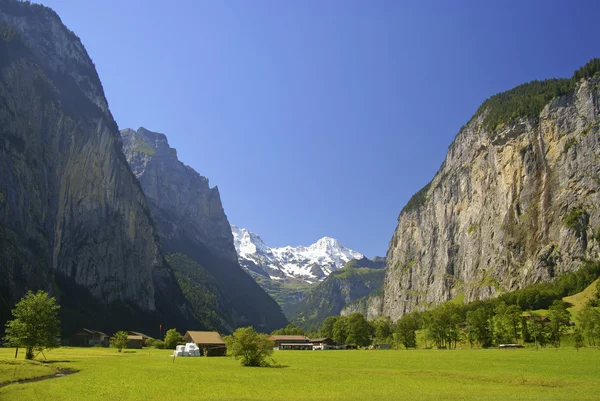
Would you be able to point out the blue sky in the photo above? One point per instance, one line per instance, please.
(320, 118)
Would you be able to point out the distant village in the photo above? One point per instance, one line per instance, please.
(210, 343)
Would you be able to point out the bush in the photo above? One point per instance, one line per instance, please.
(577, 219)
(158, 344)
(250, 347)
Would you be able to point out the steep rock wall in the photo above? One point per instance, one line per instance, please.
(69, 204)
(500, 212)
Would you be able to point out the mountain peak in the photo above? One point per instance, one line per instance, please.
(310, 264)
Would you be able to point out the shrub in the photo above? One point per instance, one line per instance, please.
(577, 219)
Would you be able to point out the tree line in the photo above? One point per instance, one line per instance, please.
(503, 320)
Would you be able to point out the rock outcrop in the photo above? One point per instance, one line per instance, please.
(191, 221)
(514, 202)
(72, 215)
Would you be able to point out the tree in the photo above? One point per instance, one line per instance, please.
(559, 321)
(172, 338)
(250, 347)
(326, 329)
(382, 327)
(406, 330)
(479, 327)
(507, 323)
(359, 330)
(589, 317)
(340, 330)
(289, 330)
(119, 340)
(578, 339)
(36, 325)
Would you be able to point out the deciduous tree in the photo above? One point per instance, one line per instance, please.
(250, 347)
(172, 338)
(35, 325)
(119, 340)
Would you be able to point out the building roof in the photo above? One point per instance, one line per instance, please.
(88, 331)
(137, 333)
(319, 340)
(288, 338)
(135, 338)
(205, 337)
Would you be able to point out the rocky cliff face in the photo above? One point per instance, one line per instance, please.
(370, 306)
(512, 204)
(180, 199)
(69, 204)
(191, 221)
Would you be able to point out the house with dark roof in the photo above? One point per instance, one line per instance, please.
(138, 334)
(87, 338)
(210, 342)
(291, 342)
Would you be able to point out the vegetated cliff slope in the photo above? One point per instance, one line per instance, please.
(191, 222)
(357, 279)
(514, 203)
(73, 218)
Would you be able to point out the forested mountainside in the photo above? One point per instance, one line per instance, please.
(73, 218)
(357, 279)
(514, 203)
(194, 230)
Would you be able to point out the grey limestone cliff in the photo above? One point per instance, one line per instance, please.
(191, 221)
(181, 200)
(510, 206)
(69, 204)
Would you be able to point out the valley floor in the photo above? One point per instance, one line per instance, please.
(104, 374)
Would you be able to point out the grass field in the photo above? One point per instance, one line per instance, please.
(104, 374)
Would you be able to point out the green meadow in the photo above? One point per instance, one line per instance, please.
(493, 374)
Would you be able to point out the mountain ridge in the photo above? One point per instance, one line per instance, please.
(309, 264)
(197, 237)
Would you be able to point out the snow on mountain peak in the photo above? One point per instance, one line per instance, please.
(310, 264)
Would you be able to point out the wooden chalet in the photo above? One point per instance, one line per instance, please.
(87, 338)
(279, 339)
(136, 342)
(138, 334)
(210, 342)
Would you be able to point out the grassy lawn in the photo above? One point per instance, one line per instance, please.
(15, 370)
(104, 374)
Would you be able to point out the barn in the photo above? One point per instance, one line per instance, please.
(88, 338)
(210, 342)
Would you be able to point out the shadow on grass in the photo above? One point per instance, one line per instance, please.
(55, 361)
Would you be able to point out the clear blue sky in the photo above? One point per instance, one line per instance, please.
(320, 117)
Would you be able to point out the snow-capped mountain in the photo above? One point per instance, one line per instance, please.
(310, 264)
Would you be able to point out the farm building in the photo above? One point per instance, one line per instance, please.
(381, 346)
(296, 346)
(135, 342)
(324, 342)
(88, 338)
(209, 342)
(138, 334)
(288, 340)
